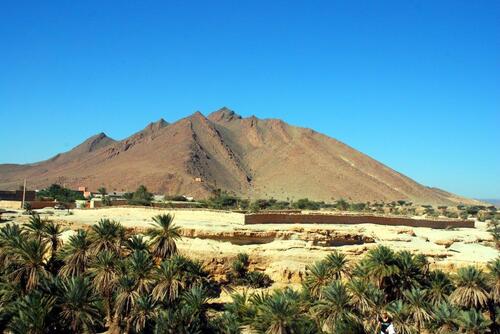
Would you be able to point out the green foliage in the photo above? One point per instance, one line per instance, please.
(60, 194)
(239, 274)
(116, 282)
(306, 204)
(140, 197)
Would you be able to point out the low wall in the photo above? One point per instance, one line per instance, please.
(276, 218)
(35, 205)
(10, 205)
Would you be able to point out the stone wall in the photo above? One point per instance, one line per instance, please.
(276, 218)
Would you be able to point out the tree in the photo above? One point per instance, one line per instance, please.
(104, 273)
(163, 236)
(32, 314)
(140, 267)
(107, 235)
(143, 313)
(418, 307)
(368, 300)
(169, 282)
(141, 196)
(36, 226)
(52, 234)
(29, 259)
(439, 287)
(400, 315)
(60, 194)
(335, 309)
(471, 288)
(76, 254)
(126, 297)
(102, 191)
(317, 277)
(445, 319)
(79, 304)
(280, 313)
(337, 264)
(473, 322)
(381, 264)
(136, 243)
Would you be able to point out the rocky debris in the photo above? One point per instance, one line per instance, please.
(445, 243)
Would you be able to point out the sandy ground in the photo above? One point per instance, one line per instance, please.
(283, 251)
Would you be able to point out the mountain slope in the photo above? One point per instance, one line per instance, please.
(250, 157)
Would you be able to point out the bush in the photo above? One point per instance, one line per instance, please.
(256, 279)
(239, 274)
(60, 194)
(342, 204)
(140, 197)
(306, 204)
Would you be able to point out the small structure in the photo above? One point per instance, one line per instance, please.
(17, 195)
(86, 193)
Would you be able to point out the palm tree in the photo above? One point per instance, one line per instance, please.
(445, 319)
(76, 254)
(142, 314)
(439, 287)
(279, 313)
(103, 270)
(494, 282)
(32, 314)
(102, 191)
(368, 300)
(195, 300)
(335, 309)
(169, 282)
(381, 264)
(36, 226)
(126, 297)
(318, 276)
(52, 233)
(140, 267)
(79, 304)
(163, 236)
(136, 243)
(107, 235)
(337, 264)
(400, 316)
(29, 259)
(494, 268)
(418, 307)
(472, 288)
(10, 239)
(410, 272)
(473, 322)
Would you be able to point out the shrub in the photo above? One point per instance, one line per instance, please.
(239, 274)
(60, 194)
(140, 197)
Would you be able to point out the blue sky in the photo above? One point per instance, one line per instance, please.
(414, 84)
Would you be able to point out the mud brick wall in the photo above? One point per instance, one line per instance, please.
(35, 205)
(276, 218)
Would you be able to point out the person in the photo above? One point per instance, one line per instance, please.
(386, 326)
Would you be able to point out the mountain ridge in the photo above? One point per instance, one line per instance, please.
(248, 156)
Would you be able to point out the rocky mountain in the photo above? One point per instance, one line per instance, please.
(250, 157)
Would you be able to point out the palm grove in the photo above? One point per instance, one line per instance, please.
(106, 279)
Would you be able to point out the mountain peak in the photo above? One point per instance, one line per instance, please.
(154, 126)
(223, 114)
(93, 143)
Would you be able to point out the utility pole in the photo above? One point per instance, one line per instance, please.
(24, 194)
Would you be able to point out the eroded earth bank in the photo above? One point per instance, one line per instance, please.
(284, 250)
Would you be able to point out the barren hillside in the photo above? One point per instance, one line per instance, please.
(250, 157)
